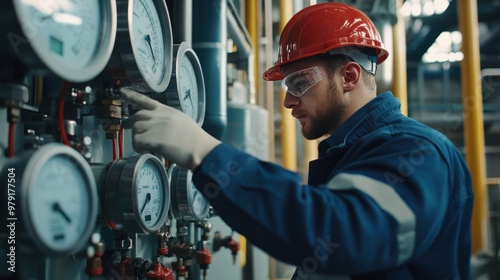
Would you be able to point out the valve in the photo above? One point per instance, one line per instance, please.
(94, 263)
(204, 259)
(179, 268)
(228, 242)
(162, 239)
(159, 272)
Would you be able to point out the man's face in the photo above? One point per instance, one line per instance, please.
(322, 107)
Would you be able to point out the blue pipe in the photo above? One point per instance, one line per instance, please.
(209, 43)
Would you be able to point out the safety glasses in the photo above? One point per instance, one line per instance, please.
(300, 81)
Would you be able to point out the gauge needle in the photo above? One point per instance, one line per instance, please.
(57, 208)
(188, 95)
(147, 38)
(148, 198)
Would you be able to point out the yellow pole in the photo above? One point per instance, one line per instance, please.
(473, 118)
(288, 138)
(251, 21)
(399, 87)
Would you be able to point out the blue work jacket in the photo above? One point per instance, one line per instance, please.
(388, 198)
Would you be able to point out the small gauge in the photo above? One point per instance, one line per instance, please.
(57, 198)
(136, 194)
(72, 38)
(186, 90)
(188, 204)
(143, 45)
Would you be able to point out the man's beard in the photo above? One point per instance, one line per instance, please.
(328, 116)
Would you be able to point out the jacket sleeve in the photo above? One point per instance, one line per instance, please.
(384, 205)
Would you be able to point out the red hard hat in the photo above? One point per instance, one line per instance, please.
(322, 27)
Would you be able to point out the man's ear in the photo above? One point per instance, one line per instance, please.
(352, 76)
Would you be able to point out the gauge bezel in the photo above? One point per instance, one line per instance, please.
(37, 58)
(119, 193)
(123, 65)
(173, 94)
(181, 205)
(34, 164)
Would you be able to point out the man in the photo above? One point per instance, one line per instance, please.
(388, 198)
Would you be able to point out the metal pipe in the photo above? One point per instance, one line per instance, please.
(288, 130)
(182, 29)
(209, 43)
(252, 20)
(238, 33)
(473, 119)
(269, 100)
(399, 85)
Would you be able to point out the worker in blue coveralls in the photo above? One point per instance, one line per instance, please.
(388, 197)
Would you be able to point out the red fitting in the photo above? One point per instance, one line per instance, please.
(234, 246)
(160, 272)
(163, 251)
(204, 257)
(94, 267)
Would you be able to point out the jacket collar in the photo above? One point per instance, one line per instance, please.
(362, 122)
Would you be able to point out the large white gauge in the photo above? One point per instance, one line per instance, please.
(73, 38)
(136, 194)
(186, 90)
(143, 45)
(188, 204)
(56, 197)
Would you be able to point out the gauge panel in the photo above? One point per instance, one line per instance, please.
(72, 38)
(58, 198)
(136, 194)
(186, 90)
(188, 204)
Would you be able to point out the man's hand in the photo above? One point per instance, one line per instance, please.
(161, 129)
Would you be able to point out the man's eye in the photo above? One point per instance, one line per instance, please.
(300, 85)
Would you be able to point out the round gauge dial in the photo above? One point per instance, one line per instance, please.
(58, 199)
(73, 38)
(149, 193)
(186, 90)
(188, 204)
(136, 194)
(143, 51)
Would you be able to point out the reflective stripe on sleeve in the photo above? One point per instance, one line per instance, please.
(387, 199)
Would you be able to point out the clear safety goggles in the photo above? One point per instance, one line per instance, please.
(300, 81)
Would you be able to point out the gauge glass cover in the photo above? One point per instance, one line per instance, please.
(74, 38)
(150, 196)
(148, 40)
(60, 204)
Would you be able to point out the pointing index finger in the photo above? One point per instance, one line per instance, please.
(138, 99)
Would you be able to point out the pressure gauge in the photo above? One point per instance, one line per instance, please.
(143, 51)
(56, 197)
(72, 38)
(136, 194)
(186, 90)
(188, 204)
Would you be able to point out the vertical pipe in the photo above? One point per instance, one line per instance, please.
(252, 24)
(399, 86)
(182, 26)
(209, 43)
(288, 138)
(269, 92)
(473, 118)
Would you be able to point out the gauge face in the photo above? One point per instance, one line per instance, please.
(186, 90)
(199, 204)
(74, 38)
(150, 196)
(148, 36)
(61, 201)
(188, 204)
(136, 194)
